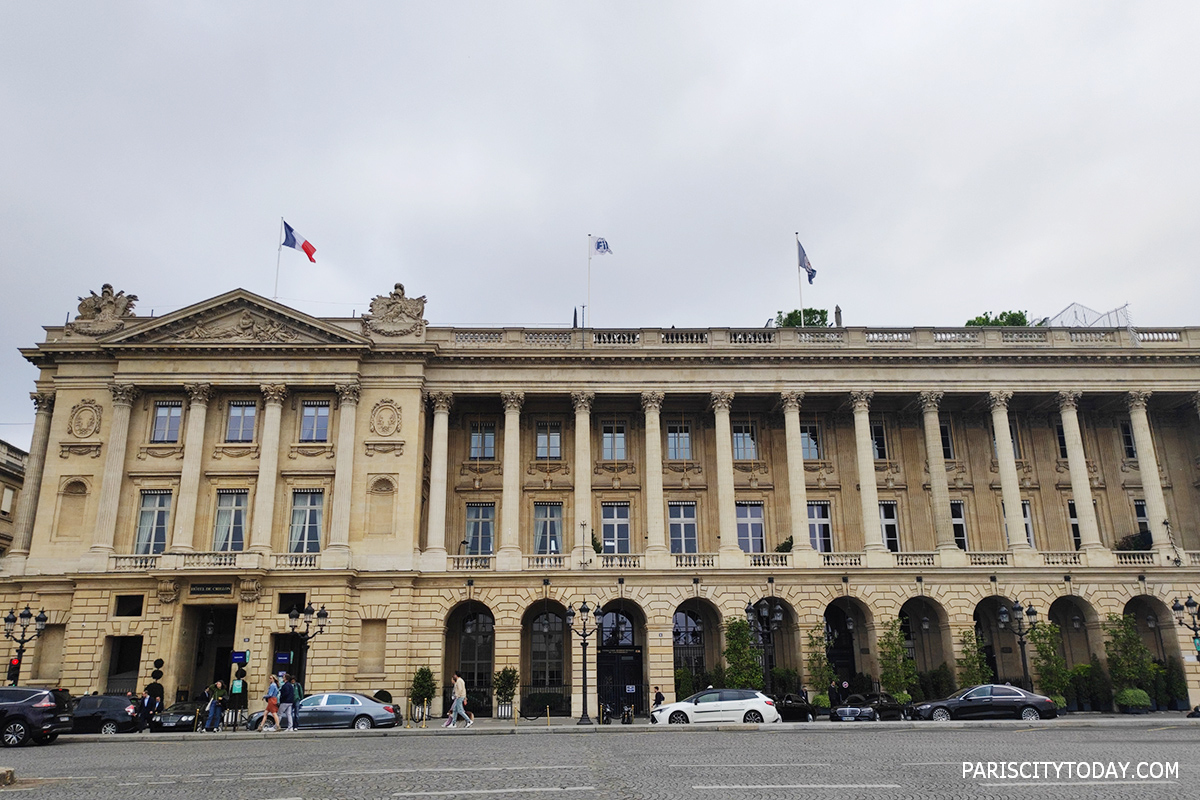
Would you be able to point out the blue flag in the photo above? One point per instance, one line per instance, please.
(804, 263)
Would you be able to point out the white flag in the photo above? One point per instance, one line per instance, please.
(599, 245)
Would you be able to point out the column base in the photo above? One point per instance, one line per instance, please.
(336, 556)
(806, 558)
(731, 558)
(1099, 556)
(1025, 557)
(95, 561)
(508, 559)
(658, 558)
(433, 560)
(14, 564)
(953, 557)
(582, 558)
(878, 558)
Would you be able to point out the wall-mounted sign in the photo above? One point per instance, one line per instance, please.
(237, 657)
(283, 657)
(200, 589)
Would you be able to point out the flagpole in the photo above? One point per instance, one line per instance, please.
(799, 274)
(278, 253)
(589, 291)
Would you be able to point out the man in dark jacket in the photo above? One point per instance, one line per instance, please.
(287, 704)
(216, 704)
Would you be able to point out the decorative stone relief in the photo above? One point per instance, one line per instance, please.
(248, 328)
(583, 400)
(512, 400)
(160, 451)
(348, 392)
(999, 399)
(85, 419)
(860, 399)
(103, 313)
(441, 401)
(82, 449)
(396, 315)
(930, 401)
(721, 401)
(168, 591)
(385, 418)
(123, 393)
(652, 401)
(791, 400)
(1137, 400)
(42, 401)
(274, 392)
(250, 590)
(373, 447)
(199, 392)
(1068, 400)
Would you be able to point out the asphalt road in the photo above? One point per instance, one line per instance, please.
(821, 760)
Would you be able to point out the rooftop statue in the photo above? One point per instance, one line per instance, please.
(396, 315)
(103, 313)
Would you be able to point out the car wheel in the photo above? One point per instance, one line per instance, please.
(1030, 714)
(678, 718)
(15, 733)
(363, 724)
(808, 717)
(940, 715)
(47, 739)
(752, 716)
(108, 728)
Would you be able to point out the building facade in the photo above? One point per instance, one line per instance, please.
(447, 494)
(12, 478)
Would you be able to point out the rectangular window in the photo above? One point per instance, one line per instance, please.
(547, 528)
(889, 524)
(615, 527)
(229, 532)
(48, 657)
(1074, 519)
(745, 442)
(153, 516)
(483, 441)
(6, 502)
(1062, 441)
(810, 442)
(750, 527)
(820, 528)
(167, 414)
(240, 426)
(1139, 514)
(549, 441)
(308, 507)
(958, 521)
(612, 441)
(481, 523)
(679, 442)
(947, 442)
(314, 421)
(879, 441)
(681, 517)
(1128, 446)
(129, 605)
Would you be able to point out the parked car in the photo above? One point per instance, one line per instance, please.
(795, 708)
(37, 714)
(989, 701)
(178, 717)
(718, 705)
(102, 713)
(869, 707)
(340, 710)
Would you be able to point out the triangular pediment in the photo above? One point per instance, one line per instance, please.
(235, 319)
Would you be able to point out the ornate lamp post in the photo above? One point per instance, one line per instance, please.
(22, 639)
(1022, 621)
(306, 637)
(583, 632)
(1193, 610)
(764, 620)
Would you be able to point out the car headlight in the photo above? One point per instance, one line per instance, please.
(924, 707)
(187, 719)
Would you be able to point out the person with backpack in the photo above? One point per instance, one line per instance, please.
(287, 703)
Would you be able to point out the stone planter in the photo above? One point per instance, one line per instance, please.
(504, 710)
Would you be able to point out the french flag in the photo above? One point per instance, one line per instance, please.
(297, 242)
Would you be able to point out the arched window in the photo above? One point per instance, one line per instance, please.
(688, 636)
(616, 630)
(476, 644)
(546, 650)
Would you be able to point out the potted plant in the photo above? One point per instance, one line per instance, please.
(1133, 701)
(504, 685)
(1129, 663)
(424, 687)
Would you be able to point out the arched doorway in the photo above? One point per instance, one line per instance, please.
(1001, 649)
(696, 639)
(620, 664)
(846, 622)
(1076, 621)
(772, 635)
(546, 660)
(1152, 615)
(923, 622)
(470, 649)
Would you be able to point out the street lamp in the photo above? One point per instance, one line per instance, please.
(925, 641)
(10, 624)
(764, 620)
(1193, 609)
(307, 636)
(1023, 620)
(583, 633)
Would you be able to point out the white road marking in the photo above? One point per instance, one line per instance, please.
(758, 786)
(264, 776)
(743, 766)
(518, 790)
(1080, 783)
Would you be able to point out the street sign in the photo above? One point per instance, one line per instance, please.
(283, 657)
(238, 657)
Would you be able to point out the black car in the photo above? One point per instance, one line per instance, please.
(989, 701)
(178, 717)
(795, 708)
(38, 714)
(101, 713)
(872, 706)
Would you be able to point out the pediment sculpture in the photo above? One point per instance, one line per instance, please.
(103, 313)
(247, 328)
(395, 314)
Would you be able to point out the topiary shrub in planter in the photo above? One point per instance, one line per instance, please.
(902, 697)
(1177, 685)
(1059, 701)
(1133, 701)
(424, 687)
(504, 686)
(684, 685)
(821, 702)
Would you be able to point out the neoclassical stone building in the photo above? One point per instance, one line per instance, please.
(446, 494)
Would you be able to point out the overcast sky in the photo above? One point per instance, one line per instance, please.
(938, 159)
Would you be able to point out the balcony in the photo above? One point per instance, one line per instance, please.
(769, 559)
(295, 560)
(916, 559)
(470, 563)
(209, 560)
(132, 563)
(622, 561)
(698, 560)
(988, 559)
(841, 560)
(546, 562)
(1136, 559)
(1068, 558)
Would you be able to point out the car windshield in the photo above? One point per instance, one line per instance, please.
(181, 708)
(957, 695)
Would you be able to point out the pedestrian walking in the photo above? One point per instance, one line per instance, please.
(272, 698)
(287, 703)
(147, 707)
(216, 704)
(460, 697)
(659, 697)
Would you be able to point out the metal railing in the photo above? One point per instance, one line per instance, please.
(536, 699)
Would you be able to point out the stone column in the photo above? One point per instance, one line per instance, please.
(1010, 487)
(183, 534)
(268, 469)
(123, 395)
(434, 557)
(583, 480)
(1081, 487)
(657, 552)
(802, 550)
(26, 510)
(868, 492)
(508, 555)
(939, 487)
(1156, 506)
(730, 555)
(337, 553)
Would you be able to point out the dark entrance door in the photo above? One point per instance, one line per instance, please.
(619, 679)
(214, 626)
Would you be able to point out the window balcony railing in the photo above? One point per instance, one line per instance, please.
(695, 560)
(210, 559)
(916, 559)
(296, 560)
(1065, 558)
(1135, 559)
(621, 561)
(987, 559)
(1193, 558)
(132, 563)
(769, 559)
(460, 563)
(546, 562)
(841, 559)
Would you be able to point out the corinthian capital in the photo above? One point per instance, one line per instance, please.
(930, 401)
(652, 401)
(274, 392)
(199, 392)
(1067, 400)
(861, 399)
(44, 401)
(348, 392)
(999, 400)
(441, 401)
(1137, 400)
(583, 401)
(512, 400)
(791, 400)
(123, 394)
(721, 401)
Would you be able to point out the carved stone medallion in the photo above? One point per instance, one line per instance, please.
(85, 419)
(385, 418)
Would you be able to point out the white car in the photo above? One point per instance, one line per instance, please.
(718, 705)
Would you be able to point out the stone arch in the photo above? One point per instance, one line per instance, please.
(696, 638)
(849, 636)
(470, 649)
(927, 626)
(1000, 647)
(1151, 615)
(1081, 629)
(622, 660)
(546, 658)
